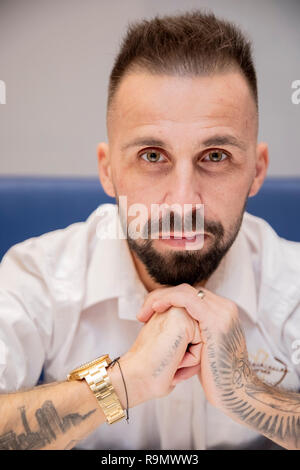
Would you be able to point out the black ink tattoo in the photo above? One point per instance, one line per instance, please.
(71, 445)
(170, 354)
(50, 425)
(271, 411)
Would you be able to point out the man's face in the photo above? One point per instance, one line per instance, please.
(183, 140)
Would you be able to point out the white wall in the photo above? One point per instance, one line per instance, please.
(56, 56)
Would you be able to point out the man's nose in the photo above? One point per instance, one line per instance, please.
(183, 186)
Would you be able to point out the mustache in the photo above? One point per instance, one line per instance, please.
(173, 223)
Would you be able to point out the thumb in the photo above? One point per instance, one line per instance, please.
(185, 373)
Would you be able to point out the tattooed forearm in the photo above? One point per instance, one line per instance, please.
(50, 425)
(213, 359)
(168, 357)
(271, 411)
(71, 445)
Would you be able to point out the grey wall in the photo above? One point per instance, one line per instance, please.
(56, 56)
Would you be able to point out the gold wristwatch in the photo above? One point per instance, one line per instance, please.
(95, 374)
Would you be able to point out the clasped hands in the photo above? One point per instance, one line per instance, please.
(217, 335)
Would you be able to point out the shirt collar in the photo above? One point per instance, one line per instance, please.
(235, 278)
(112, 274)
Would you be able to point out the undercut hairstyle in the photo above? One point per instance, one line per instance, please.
(195, 43)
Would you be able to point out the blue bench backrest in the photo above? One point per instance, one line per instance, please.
(30, 206)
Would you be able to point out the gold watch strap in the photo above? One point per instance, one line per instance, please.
(99, 382)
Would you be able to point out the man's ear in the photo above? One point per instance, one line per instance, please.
(104, 169)
(261, 166)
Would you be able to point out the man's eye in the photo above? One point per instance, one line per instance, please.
(216, 156)
(152, 156)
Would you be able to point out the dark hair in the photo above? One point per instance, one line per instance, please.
(192, 43)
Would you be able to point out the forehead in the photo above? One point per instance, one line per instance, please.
(145, 101)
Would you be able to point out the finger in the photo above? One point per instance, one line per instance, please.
(197, 338)
(165, 301)
(158, 306)
(185, 373)
(145, 313)
(195, 352)
(147, 310)
(162, 305)
(192, 356)
(190, 301)
(194, 305)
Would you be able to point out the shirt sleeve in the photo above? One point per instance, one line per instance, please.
(25, 315)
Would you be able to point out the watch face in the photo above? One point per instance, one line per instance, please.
(73, 374)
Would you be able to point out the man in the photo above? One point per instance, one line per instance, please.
(204, 335)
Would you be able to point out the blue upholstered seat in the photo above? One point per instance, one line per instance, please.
(30, 206)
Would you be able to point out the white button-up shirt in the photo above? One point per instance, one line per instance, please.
(71, 295)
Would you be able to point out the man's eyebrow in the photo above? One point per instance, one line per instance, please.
(213, 141)
(225, 139)
(144, 142)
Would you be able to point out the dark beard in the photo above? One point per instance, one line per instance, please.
(186, 266)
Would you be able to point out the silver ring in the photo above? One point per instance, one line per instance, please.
(201, 293)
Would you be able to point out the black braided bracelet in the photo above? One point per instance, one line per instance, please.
(112, 364)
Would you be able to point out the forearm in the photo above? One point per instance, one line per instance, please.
(272, 412)
(60, 414)
(240, 394)
(53, 416)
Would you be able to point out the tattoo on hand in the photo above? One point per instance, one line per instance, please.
(169, 356)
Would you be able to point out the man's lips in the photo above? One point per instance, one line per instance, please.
(183, 236)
